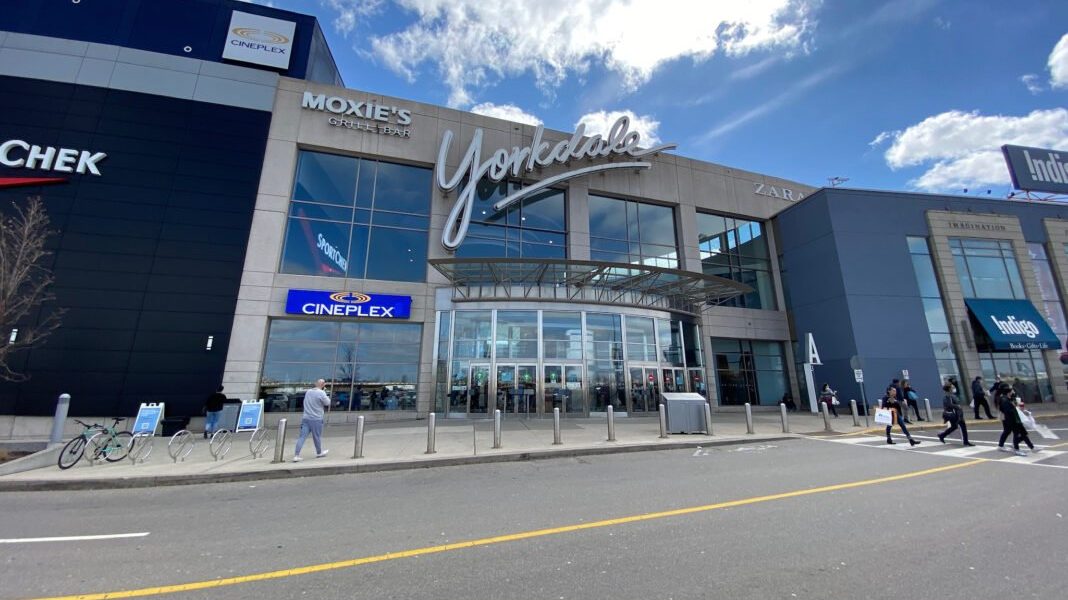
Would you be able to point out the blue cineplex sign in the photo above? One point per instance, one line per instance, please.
(348, 304)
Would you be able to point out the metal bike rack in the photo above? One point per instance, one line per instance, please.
(92, 446)
(181, 445)
(141, 447)
(260, 443)
(220, 443)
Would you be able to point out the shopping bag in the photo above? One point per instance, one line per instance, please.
(883, 417)
(835, 402)
(972, 403)
(1027, 419)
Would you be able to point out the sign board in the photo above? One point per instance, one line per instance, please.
(148, 418)
(858, 375)
(251, 415)
(361, 115)
(904, 373)
(1037, 169)
(259, 40)
(348, 304)
(1009, 325)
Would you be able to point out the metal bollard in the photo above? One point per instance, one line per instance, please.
(62, 406)
(431, 434)
(708, 418)
(663, 422)
(826, 416)
(749, 418)
(927, 407)
(280, 442)
(357, 452)
(856, 415)
(497, 428)
(556, 426)
(785, 419)
(611, 423)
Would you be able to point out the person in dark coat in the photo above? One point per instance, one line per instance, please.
(911, 398)
(953, 413)
(1011, 423)
(892, 402)
(212, 411)
(979, 397)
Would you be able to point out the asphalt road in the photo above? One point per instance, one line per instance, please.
(979, 529)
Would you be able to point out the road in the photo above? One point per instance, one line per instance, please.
(801, 518)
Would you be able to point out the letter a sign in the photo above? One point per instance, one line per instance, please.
(812, 355)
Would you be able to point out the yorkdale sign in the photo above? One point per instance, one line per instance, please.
(512, 163)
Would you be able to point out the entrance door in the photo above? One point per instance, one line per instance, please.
(516, 389)
(552, 389)
(697, 382)
(644, 389)
(574, 393)
(478, 389)
(674, 380)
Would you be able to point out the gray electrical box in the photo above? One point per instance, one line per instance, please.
(685, 412)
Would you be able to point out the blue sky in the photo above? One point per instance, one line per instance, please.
(898, 95)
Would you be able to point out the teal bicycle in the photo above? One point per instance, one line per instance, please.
(101, 442)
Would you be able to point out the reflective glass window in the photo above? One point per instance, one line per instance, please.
(517, 334)
(316, 248)
(325, 178)
(534, 227)
(737, 249)
(633, 232)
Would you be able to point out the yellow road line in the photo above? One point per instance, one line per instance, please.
(513, 537)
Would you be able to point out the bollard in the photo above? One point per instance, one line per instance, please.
(856, 415)
(927, 407)
(357, 452)
(280, 442)
(611, 423)
(826, 416)
(749, 418)
(708, 418)
(431, 434)
(785, 419)
(556, 426)
(62, 406)
(497, 428)
(663, 422)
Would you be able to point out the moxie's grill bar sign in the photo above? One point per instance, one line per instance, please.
(361, 116)
(348, 304)
(540, 153)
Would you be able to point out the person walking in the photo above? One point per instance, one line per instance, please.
(1011, 423)
(891, 401)
(315, 404)
(979, 398)
(912, 398)
(212, 411)
(953, 413)
(829, 397)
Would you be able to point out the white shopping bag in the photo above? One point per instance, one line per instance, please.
(1027, 419)
(883, 416)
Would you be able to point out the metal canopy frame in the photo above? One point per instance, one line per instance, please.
(560, 280)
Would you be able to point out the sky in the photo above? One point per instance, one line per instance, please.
(913, 95)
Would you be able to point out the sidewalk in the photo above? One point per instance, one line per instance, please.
(402, 445)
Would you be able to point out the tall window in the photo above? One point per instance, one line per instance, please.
(737, 249)
(933, 309)
(535, 227)
(1052, 307)
(632, 232)
(359, 218)
(749, 371)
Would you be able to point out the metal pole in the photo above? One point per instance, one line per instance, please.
(663, 422)
(556, 426)
(856, 415)
(708, 418)
(431, 434)
(826, 416)
(497, 428)
(611, 423)
(280, 442)
(357, 452)
(927, 406)
(62, 406)
(785, 419)
(749, 418)
(864, 401)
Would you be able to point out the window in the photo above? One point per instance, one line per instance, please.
(534, 227)
(737, 249)
(933, 310)
(632, 232)
(517, 334)
(358, 218)
(749, 371)
(987, 268)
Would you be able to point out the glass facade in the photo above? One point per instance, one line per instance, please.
(750, 371)
(624, 231)
(535, 227)
(933, 309)
(367, 366)
(737, 249)
(359, 218)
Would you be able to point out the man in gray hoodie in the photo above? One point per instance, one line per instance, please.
(315, 404)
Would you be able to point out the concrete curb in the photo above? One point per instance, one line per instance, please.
(39, 459)
(103, 483)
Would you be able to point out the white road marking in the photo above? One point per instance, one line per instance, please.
(73, 538)
(964, 452)
(859, 440)
(1032, 457)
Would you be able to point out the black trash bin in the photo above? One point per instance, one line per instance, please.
(172, 425)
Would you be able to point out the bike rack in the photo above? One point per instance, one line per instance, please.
(90, 451)
(220, 443)
(181, 445)
(141, 447)
(260, 443)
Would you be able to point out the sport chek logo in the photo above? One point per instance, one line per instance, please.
(20, 154)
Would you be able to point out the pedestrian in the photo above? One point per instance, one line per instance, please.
(788, 400)
(979, 398)
(952, 380)
(829, 397)
(212, 411)
(912, 398)
(891, 401)
(315, 404)
(953, 413)
(1011, 423)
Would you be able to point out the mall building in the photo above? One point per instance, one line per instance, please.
(257, 224)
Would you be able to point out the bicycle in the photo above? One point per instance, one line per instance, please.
(103, 441)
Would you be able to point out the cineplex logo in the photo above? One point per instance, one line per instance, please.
(20, 154)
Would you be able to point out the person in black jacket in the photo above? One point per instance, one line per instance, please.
(213, 410)
(1011, 423)
(891, 401)
(953, 414)
(979, 398)
(911, 398)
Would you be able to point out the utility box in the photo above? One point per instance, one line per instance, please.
(685, 412)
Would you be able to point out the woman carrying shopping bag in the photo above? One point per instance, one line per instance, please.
(830, 398)
(891, 402)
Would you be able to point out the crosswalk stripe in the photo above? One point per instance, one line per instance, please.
(860, 440)
(964, 452)
(1033, 458)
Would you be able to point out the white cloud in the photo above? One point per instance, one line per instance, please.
(962, 149)
(474, 42)
(1058, 64)
(351, 11)
(1032, 84)
(598, 123)
(508, 112)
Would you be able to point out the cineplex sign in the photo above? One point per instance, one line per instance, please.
(348, 304)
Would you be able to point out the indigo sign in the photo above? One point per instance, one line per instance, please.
(348, 304)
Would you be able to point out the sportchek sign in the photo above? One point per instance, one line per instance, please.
(20, 154)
